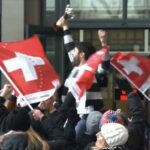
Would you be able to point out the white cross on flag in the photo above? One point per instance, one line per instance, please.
(25, 65)
(135, 68)
(85, 76)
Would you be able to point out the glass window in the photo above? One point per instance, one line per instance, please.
(119, 40)
(50, 11)
(126, 40)
(50, 5)
(139, 10)
(49, 43)
(50, 49)
(76, 35)
(148, 40)
(96, 9)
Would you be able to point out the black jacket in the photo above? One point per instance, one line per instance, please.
(54, 123)
(137, 123)
(4, 112)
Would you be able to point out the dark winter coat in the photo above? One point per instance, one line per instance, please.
(137, 123)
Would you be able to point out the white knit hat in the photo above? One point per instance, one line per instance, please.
(115, 134)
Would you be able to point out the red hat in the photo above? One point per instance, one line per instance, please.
(111, 116)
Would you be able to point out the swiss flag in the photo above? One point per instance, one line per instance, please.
(135, 68)
(26, 46)
(25, 65)
(86, 73)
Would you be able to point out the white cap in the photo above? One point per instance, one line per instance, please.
(115, 134)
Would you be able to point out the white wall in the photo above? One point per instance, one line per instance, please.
(12, 22)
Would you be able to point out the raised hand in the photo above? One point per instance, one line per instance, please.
(6, 90)
(69, 12)
(63, 21)
(102, 37)
(37, 114)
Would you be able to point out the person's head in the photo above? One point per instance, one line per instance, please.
(84, 51)
(35, 141)
(111, 116)
(18, 120)
(92, 122)
(10, 102)
(48, 104)
(58, 100)
(111, 135)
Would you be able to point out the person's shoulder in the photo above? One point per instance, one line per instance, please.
(16, 136)
(14, 140)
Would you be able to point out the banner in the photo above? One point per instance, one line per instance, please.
(25, 65)
(135, 68)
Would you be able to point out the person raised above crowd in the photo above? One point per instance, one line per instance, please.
(78, 55)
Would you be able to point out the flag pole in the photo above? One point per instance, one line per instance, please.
(145, 96)
(16, 88)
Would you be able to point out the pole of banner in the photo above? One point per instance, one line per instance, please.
(146, 96)
(16, 88)
(139, 89)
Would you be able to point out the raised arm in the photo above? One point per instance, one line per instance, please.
(104, 67)
(7, 89)
(68, 40)
(102, 37)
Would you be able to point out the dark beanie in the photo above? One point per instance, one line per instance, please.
(18, 120)
(12, 98)
(87, 48)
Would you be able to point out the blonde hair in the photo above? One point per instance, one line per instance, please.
(35, 142)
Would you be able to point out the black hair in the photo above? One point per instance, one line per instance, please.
(87, 48)
(18, 120)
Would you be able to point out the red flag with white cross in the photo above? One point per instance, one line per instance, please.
(135, 68)
(25, 65)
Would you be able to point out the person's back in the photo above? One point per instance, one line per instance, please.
(137, 123)
(13, 141)
(18, 140)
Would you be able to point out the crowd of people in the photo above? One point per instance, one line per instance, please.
(59, 123)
